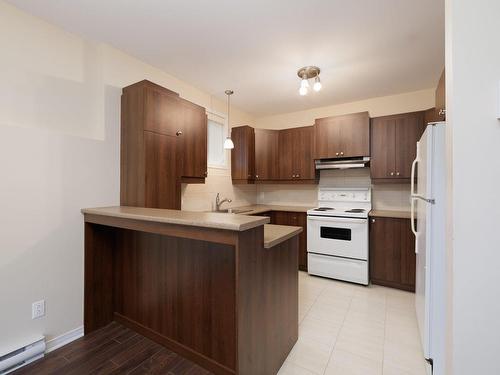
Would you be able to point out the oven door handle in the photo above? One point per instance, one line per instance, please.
(337, 219)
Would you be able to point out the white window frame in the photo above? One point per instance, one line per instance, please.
(223, 117)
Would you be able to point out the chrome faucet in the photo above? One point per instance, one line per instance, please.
(218, 202)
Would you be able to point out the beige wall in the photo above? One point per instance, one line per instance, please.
(59, 152)
(381, 106)
(386, 197)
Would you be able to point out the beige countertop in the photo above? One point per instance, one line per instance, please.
(393, 214)
(276, 234)
(196, 219)
(260, 208)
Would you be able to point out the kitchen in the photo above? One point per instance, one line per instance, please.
(251, 214)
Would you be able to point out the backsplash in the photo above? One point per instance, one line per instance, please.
(201, 197)
(384, 197)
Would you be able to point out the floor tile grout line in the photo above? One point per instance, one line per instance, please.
(338, 334)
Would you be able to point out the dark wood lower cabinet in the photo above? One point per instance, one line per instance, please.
(215, 297)
(392, 253)
(297, 219)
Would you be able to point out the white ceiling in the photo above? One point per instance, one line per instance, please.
(365, 48)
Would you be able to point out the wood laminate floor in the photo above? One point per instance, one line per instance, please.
(113, 349)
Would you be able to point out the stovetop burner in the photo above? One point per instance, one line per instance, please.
(356, 210)
(324, 209)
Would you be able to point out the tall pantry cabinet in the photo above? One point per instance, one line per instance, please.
(163, 143)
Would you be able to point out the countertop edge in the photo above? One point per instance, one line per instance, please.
(390, 213)
(287, 232)
(260, 208)
(256, 220)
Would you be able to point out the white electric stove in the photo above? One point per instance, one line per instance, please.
(337, 234)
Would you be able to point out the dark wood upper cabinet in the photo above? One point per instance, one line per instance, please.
(266, 155)
(343, 136)
(409, 129)
(394, 145)
(296, 154)
(161, 187)
(243, 155)
(286, 165)
(162, 110)
(303, 153)
(194, 142)
(392, 253)
(441, 97)
(163, 140)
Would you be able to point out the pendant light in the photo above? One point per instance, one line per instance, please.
(228, 143)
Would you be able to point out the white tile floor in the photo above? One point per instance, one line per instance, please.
(347, 329)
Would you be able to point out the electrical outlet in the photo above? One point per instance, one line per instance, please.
(38, 309)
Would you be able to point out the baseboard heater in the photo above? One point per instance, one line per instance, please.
(22, 356)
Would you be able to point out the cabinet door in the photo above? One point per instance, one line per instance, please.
(281, 218)
(431, 115)
(162, 189)
(392, 253)
(328, 142)
(194, 140)
(441, 97)
(343, 136)
(409, 129)
(384, 257)
(270, 214)
(383, 144)
(408, 257)
(163, 113)
(355, 135)
(266, 154)
(286, 151)
(303, 153)
(299, 219)
(243, 154)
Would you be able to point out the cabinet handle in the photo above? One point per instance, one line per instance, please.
(206, 174)
(373, 220)
(297, 175)
(397, 173)
(442, 112)
(336, 154)
(293, 176)
(392, 173)
(256, 176)
(342, 154)
(178, 132)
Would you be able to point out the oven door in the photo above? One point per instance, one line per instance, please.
(338, 236)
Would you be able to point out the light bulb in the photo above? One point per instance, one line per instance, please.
(317, 84)
(303, 91)
(304, 83)
(228, 144)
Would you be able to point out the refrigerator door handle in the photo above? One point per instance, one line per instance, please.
(412, 220)
(412, 178)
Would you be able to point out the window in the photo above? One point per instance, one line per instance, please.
(217, 156)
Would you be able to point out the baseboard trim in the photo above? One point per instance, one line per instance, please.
(64, 339)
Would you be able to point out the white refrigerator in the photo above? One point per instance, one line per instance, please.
(428, 212)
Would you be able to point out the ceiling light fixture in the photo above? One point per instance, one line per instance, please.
(228, 143)
(305, 74)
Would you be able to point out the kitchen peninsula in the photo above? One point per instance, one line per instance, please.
(219, 289)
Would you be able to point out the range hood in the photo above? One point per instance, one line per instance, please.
(346, 163)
